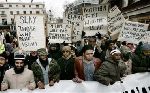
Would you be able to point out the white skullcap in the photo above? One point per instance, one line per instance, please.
(114, 51)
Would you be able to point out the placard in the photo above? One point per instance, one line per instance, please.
(30, 32)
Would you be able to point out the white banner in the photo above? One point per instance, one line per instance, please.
(59, 33)
(135, 83)
(95, 19)
(77, 25)
(29, 29)
(134, 32)
(115, 21)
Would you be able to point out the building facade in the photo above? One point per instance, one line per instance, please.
(9, 10)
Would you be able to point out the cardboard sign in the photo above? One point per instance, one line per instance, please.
(59, 33)
(115, 22)
(77, 25)
(30, 32)
(95, 19)
(134, 32)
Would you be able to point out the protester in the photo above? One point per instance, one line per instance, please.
(54, 51)
(141, 58)
(111, 70)
(109, 46)
(31, 58)
(3, 66)
(66, 63)
(18, 77)
(86, 65)
(97, 49)
(46, 70)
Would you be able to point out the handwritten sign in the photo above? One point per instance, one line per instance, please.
(59, 33)
(134, 32)
(77, 25)
(30, 32)
(115, 21)
(95, 19)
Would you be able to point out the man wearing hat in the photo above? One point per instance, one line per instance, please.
(18, 77)
(46, 70)
(111, 70)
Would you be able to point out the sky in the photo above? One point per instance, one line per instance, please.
(55, 5)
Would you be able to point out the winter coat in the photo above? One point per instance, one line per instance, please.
(18, 81)
(67, 68)
(79, 68)
(53, 72)
(110, 72)
(140, 63)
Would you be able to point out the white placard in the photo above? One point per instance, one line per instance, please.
(59, 33)
(134, 32)
(30, 32)
(1, 37)
(115, 21)
(77, 25)
(95, 19)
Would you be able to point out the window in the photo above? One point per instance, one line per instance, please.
(30, 12)
(23, 5)
(37, 12)
(3, 12)
(16, 5)
(10, 5)
(24, 12)
(11, 12)
(29, 5)
(17, 12)
(37, 6)
(12, 20)
(4, 21)
(1, 5)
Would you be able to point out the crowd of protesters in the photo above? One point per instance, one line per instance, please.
(94, 58)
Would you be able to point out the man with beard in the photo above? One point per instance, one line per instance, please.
(18, 77)
(3, 66)
(46, 70)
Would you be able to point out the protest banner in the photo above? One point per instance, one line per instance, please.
(95, 19)
(30, 32)
(134, 32)
(115, 22)
(134, 83)
(59, 33)
(77, 25)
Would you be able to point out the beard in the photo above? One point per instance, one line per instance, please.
(18, 70)
(44, 62)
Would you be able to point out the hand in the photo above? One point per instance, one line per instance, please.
(41, 85)
(3, 88)
(78, 80)
(51, 83)
(30, 87)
